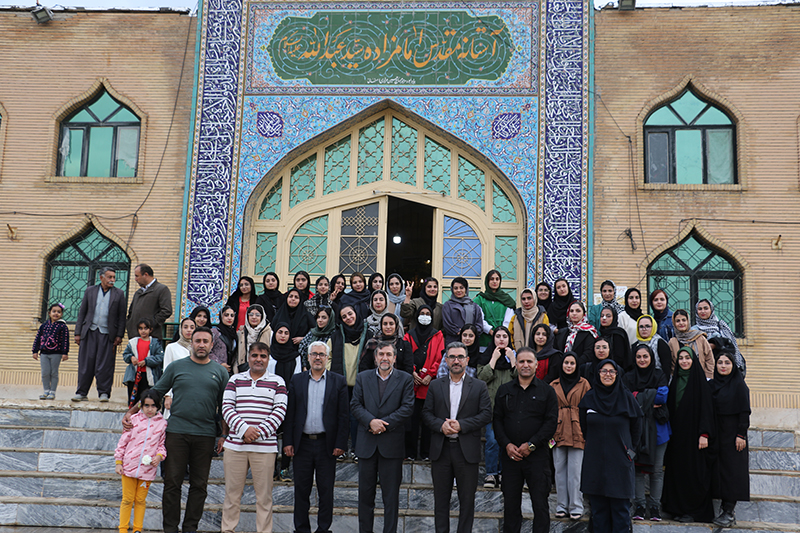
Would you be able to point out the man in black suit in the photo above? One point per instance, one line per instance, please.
(383, 400)
(315, 434)
(455, 410)
(98, 331)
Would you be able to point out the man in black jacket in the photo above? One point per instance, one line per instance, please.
(315, 434)
(525, 419)
(383, 400)
(456, 408)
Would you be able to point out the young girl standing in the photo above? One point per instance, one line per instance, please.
(50, 347)
(145, 357)
(137, 456)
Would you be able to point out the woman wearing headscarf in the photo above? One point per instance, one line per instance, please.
(687, 477)
(469, 337)
(357, 298)
(460, 310)
(202, 319)
(544, 294)
(497, 366)
(243, 297)
(633, 303)
(498, 307)
(302, 282)
(320, 298)
(548, 359)
(579, 336)
(272, 298)
(731, 475)
(659, 309)
(601, 352)
(428, 295)
(325, 322)
(707, 321)
(649, 386)
(256, 329)
(570, 389)
(395, 293)
(338, 286)
(347, 345)
(608, 293)
(646, 334)
(293, 313)
(375, 282)
(558, 310)
(390, 331)
(693, 337)
(378, 309)
(427, 346)
(224, 349)
(284, 360)
(529, 314)
(620, 346)
(611, 422)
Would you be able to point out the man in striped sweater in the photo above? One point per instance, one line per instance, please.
(253, 407)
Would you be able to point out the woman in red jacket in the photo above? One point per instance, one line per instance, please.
(427, 345)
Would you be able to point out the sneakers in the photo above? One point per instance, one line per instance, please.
(43, 396)
(639, 513)
(725, 519)
(655, 514)
(104, 398)
(79, 398)
(51, 395)
(284, 475)
(491, 482)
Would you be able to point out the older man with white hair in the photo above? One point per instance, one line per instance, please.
(315, 434)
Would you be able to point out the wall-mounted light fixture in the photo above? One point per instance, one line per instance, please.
(41, 14)
(397, 239)
(626, 5)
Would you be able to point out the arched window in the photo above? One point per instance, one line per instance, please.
(100, 139)
(692, 271)
(690, 141)
(75, 266)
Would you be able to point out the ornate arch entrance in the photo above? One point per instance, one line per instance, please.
(327, 210)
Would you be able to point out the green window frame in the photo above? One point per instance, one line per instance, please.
(690, 141)
(100, 139)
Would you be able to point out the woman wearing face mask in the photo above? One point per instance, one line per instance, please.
(427, 346)
(611, 422)
(498, 307)
(395, 293)
(390, 332)
(243, 297)
(272, 298)
(469, 338)
(687, 476)
(460, 310)
(570, 389)
(548, 359)
(321, 332)
(709, 323)
(498, 365)
(620, 346)
(255, 330)
(731, 475)
(579, 336)
(224, 349)
(357, 298)
(293, 313)
(694, 338)
(378, 310)
(559, 310)
(646, 334)
(428, 295)
(659, 309)
(528, 315)
(544, 294)
(320, 298)
(649, 385)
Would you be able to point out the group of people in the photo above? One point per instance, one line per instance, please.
(602, 400)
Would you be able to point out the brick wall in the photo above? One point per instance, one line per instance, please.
(747, 59)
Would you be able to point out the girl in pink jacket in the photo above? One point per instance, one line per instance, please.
(138, 454)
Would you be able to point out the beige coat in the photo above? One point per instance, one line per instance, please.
(568, 432)
(701, 347)
(265, 336)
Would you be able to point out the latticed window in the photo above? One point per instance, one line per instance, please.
(689, 141)
(101, 139)
(692, 271)
(76, 265)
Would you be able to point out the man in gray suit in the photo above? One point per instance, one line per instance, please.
(456, 408)
(98, 331)
(383, 400)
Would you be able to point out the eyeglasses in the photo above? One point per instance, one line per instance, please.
(645, 326)
(459, 357)
(609, 372)
(318, 355)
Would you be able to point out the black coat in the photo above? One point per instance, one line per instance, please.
(405, 356)
(583, 346)
(335, 411)
(395, 408)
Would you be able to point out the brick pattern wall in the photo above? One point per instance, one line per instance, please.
(44, 68)
(748, 59)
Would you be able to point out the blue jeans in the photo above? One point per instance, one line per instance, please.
(492, 452)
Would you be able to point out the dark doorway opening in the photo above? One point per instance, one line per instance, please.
(413, 224)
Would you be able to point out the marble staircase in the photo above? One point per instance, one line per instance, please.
(57, 471)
